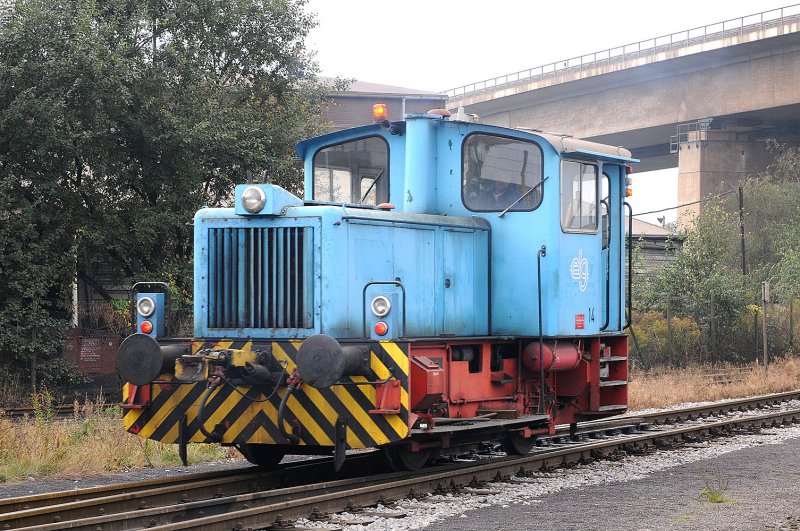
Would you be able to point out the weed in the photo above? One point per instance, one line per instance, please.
(43, 407)
(83, 430)
(145, 444)
(716, 484)
(714, 496)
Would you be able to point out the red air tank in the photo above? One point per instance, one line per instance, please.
(558, 356)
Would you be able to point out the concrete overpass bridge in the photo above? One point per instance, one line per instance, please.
(703, 100)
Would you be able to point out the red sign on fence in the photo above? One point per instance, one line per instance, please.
(92, 355)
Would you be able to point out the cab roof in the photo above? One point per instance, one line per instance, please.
(563, 144)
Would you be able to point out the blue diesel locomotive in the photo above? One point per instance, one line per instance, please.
(442, 283)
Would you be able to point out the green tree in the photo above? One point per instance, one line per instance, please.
(118, 120)
(705, 281)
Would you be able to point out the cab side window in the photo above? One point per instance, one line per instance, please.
(355, 172)
(579, 185)
(498, 172)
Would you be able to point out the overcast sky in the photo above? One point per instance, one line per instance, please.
(441, 44)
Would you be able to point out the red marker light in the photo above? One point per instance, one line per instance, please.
(146, 327)
(628, 170)
(379, 112)
(381, 328)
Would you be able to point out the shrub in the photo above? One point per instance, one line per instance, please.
(673, 343)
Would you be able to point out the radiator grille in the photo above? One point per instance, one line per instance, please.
(260, 277)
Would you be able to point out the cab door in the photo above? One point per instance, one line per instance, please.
(581, 294)
(614, 245)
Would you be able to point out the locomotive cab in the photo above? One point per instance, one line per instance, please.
(441, 283)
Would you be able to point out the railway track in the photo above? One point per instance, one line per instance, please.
(60, 411)
(253, 499)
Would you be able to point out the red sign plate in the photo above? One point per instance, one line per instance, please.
(579, 321)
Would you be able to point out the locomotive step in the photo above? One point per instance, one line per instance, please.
(611, 383)
(613, 407)
(614, 358)
(470, 424)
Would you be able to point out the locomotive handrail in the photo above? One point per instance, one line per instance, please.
(364, 306)
(539, 254)
(620, 272)
(629, 317)
(424, 223)
(608, 268)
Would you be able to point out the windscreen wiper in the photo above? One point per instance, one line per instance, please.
(374, 182)
(523, 196)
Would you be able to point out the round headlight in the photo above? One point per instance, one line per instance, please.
(145, 306)
(253, 199)
(381, 306)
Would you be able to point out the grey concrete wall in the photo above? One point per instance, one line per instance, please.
(713, 162)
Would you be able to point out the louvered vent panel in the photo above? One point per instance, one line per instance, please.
(260, 278)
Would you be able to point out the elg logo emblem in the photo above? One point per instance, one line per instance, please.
(579, 269)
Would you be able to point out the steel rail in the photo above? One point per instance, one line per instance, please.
(35, 501)
(263, 508)
(147, 517)
(79, 504)
(71, 505)
(686, 413)
(385, 489)
(129, 500)
(719, 407)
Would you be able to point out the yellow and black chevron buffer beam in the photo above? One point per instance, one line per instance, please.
(365, 406)
(326, 366)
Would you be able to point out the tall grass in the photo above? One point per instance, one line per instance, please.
(666, 387)
(92, 442)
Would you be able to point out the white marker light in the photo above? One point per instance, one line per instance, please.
(254, 199)
(145, 306)
(381, 306)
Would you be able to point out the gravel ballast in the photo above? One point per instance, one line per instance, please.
(759, 476)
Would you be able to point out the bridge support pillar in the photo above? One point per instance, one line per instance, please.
(709, 158)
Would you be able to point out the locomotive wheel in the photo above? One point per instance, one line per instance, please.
(263, 455)
(401, 458)
(514, 443)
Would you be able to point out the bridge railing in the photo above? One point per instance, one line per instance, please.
(697, 129)
(777, 19)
